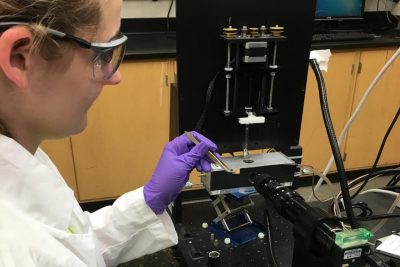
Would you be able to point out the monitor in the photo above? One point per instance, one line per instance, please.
(339, 9)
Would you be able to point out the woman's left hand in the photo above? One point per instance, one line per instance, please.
(178, 159)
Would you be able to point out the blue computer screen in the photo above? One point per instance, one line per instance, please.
(339, 8)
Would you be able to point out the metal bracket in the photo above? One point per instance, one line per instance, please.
(229, 208)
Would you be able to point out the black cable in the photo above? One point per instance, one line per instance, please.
(374, 174)
(365, 219)
(270, 249)
(394, 180)
(210, 89)
(391, 180)
(387, 14)
(333, 142)
(365, 211)
(379, 172)
(391, 188)
(385, 172)
(379, 153)
(169, 11)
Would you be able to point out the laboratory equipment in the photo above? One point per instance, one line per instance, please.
(242, 69)
(241, 81)
(319, 237)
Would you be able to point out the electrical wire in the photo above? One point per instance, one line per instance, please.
(365, 219)
(312, 188)
(270, 249)
(391, 188)
(305, 169)
(354, 185)
(328, 182)
(210, 89)
(391, 208)
(381, 191)
(387, 14)
(387, 172)
(209, 93)
(363, 207)
(395, 179)
(357, 110)
(331, 190)
(376, 174)
(169, 12)
(361, 178)
(386, 11)
(379, 153)
(333, 142)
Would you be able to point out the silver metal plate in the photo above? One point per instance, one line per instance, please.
(259, 160)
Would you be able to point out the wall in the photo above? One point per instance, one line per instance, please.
(147, 9)
(370, 5)
(159, 9)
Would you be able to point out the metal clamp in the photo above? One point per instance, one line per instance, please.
(228, 210)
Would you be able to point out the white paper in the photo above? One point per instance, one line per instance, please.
(390, 245)
(322, 57)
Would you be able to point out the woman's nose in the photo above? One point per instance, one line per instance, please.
(115, 79)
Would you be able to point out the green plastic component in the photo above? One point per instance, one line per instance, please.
(352, 238)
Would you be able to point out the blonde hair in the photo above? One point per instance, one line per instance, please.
(72, 17)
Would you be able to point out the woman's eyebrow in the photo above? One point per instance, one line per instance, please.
(118, 32)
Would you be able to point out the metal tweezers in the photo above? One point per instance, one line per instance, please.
(214, 158)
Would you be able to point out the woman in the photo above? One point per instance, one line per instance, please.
(55, 57)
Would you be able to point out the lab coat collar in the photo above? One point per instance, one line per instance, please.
(33, 184)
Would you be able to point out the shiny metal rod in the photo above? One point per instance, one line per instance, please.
(228, 77)
(246, 142)
(271, 90)
(272, 74)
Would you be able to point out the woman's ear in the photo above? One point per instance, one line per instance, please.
(15, 45)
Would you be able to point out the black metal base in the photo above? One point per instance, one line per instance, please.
(195, 242)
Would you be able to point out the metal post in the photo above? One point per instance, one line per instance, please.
(272, 74)
(228, 77)
(246, 142)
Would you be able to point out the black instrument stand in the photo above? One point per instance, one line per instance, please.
(195, 242)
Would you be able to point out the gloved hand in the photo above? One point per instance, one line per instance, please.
(178, 159)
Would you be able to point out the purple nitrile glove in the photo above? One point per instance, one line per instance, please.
(178, 159)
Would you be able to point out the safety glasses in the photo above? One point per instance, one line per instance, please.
(108, 56)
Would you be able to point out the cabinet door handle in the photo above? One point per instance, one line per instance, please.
(352, 69)
(359, 68)
(166, 80)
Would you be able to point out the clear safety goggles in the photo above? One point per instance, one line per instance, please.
(108, 56)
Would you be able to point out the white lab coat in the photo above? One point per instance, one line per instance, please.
(42, 224)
